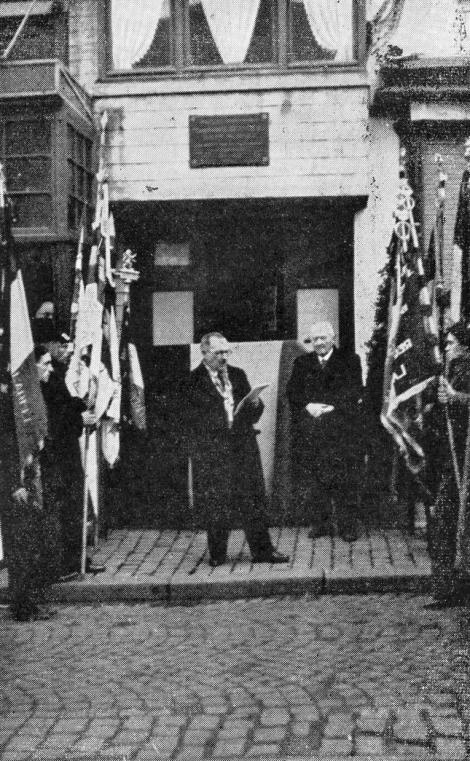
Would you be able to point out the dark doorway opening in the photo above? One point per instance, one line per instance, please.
(243, 262)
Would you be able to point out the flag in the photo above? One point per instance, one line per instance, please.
(460, 277)
(434, 258)
(132, 379)
(110, 424)
(28, 404)
(29, 407)
(413, 358)
(78, 287)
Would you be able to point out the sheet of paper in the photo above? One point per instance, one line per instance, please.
(250, 397)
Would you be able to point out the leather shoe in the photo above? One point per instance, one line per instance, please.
(94, 567)
(45, 614)
(317, 532)
(348, 536)
(69, 576)
(216, 563)
(272, 557)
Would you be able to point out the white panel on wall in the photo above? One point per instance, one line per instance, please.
(315, 304)
(173, 320)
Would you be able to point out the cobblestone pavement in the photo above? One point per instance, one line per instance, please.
(288, 677)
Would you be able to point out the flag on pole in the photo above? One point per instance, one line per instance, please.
(29, 407)
(78, 287)
(132, 378)
(28, 403)
(460, 276)
(413, 358)
(110, 425)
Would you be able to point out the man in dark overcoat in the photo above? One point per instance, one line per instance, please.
(324, 393)
(61, 467)
(228, 483)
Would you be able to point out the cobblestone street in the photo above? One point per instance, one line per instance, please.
(378, 675)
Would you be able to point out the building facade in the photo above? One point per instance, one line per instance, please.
(252, 150)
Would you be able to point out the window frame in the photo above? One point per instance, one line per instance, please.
(16, 115)
(282, 62)
(56, 16)
(74, 167)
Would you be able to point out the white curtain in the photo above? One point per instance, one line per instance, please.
(331, 25)
(133, 26)
(373, 7)
(232, 23)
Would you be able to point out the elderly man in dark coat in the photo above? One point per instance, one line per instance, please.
(324, 392)
(227, 474)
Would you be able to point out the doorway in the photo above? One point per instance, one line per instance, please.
(233, 266)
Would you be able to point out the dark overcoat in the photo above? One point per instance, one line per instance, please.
(326, 448)
(447, 581)
(62, 470)
(228, 479)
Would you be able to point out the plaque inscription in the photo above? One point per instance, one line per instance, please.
(230, 140)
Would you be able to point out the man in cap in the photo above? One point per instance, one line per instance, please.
(324, 393)
(227, 473)
(61, 459)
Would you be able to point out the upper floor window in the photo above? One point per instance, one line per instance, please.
(26, 148)
(44, 34)
(184, 34)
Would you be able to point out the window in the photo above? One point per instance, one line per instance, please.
(79, 180)
(44, 34)
(178, 35)
(26, 147)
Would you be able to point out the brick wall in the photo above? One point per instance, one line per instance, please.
(83, 41)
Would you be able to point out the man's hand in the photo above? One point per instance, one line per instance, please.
(445, 392)
(317, 409)
(21, 496)
(89, 419)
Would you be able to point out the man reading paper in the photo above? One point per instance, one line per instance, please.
(228, 481)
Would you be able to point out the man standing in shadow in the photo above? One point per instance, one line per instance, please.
(324, 393)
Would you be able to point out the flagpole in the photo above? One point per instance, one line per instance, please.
(126, 274)
(463, 488)
(439, 295)
(85, 505)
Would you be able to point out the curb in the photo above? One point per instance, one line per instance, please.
(91, 591)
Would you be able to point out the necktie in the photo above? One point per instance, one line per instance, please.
(222, 375)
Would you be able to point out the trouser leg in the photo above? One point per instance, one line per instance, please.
(444, 534)
(217, 541)
(258, 539)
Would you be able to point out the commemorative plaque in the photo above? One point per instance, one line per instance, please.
(230, 140)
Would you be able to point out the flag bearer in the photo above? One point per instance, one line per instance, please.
(29, 537)
(454, 392)
(61, 467)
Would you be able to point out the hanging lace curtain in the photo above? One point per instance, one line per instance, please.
(133, 26)
(376, 7)
(232, 23)
(331, 25)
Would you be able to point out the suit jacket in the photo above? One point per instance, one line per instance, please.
(333, 438)
(226, 461)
